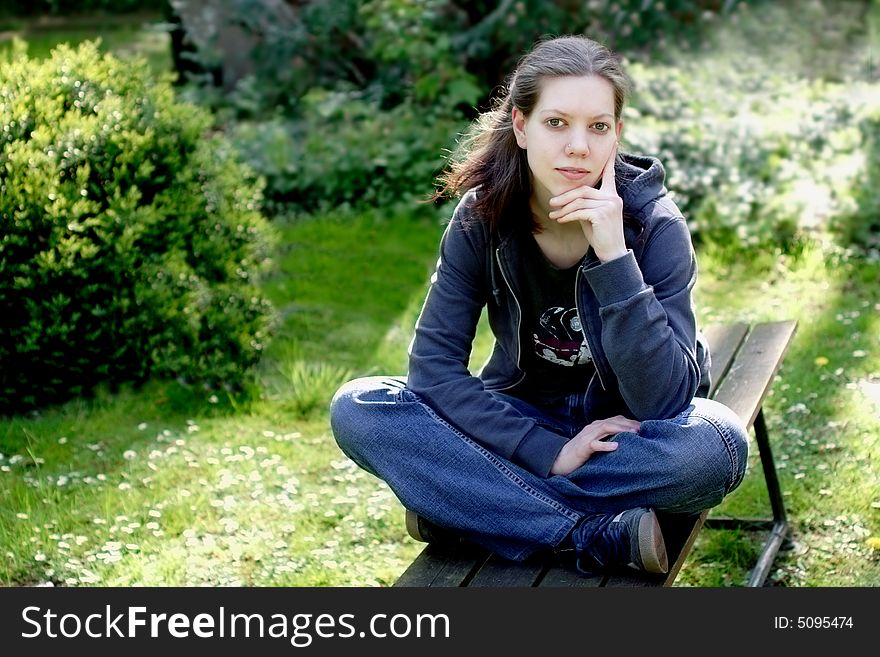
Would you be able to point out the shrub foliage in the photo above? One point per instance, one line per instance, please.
(359, 101)
(367, 96)
(753, 157)
(861, 226)
(131, 239)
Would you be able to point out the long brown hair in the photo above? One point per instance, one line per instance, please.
(488, 156)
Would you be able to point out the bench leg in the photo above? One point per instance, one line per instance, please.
(778, 526)
(769, 465)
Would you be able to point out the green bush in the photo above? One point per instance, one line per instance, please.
(355, 102)
(861, 226)
(752, 157)
(131, 239)
(399, 49)
(346, 152)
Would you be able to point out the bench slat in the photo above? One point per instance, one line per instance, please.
(724, 342)
(569, 577)
(501, 572)
(758, 359)
(442, 565)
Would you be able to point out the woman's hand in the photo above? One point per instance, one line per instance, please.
(588, 441)
(599, 211)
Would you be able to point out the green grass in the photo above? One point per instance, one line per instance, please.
(816, 40)
(163, 486)
(169, 485)
(127, 488)
(142, 35)
(822, 415)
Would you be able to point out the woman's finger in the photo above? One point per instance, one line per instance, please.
(608, 180)
(603, 446)
(624, 424)
(578, 192)
(578, 204)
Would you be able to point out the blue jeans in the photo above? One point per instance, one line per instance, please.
(681, 465)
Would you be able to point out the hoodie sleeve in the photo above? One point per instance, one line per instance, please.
(441, 349)
(648, 323)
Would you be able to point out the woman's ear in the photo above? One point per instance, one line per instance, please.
(619, 129)
(518, 119)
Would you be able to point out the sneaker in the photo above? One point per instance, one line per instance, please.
(426, 531)
(631, 538)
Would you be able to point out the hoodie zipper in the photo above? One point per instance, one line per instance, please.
(518, 319)
(577, 306)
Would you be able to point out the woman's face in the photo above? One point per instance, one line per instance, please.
(569, 135)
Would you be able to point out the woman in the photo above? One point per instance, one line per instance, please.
(588, 415)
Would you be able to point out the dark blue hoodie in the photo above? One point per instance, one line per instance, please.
(636, 313)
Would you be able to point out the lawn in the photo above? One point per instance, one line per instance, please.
(141, 34)
(174, 485)
(170, 486)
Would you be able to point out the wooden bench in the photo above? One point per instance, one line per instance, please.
(744, 362)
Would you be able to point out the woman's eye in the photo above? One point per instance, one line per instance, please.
(601, 126)
(554, 123)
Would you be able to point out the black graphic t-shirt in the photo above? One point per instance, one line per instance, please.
(555, 353)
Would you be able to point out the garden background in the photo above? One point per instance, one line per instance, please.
(215, 215)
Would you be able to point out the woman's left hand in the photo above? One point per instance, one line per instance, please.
(599, 211)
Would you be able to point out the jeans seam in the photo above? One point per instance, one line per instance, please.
(735, 477)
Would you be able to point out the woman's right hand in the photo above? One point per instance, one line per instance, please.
(588, 441)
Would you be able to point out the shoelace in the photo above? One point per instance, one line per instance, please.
(604, 541)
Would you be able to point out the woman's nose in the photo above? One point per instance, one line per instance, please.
(578, 146)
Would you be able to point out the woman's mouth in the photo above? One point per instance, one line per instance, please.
(573, 173)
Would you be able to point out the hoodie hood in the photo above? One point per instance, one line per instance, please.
(640, 180)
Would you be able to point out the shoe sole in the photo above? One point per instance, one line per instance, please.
(652, 548)
(412, 526)
(426, 532)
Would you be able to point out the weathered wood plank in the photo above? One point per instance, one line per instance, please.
(635, 579)
(443, 565)
(724, 341)
(561, 575)
(499, 572)
(749, 378)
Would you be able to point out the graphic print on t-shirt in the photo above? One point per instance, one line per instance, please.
(560, 339)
